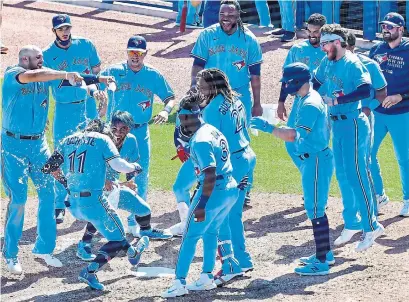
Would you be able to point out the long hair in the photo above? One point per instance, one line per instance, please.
(219, 83)
(99, 126)
(236, 5)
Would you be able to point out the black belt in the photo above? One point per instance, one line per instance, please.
(77, 102)
(136, 126)
(28, 137)
(82, 194)
(342, 116)
(306, 155)
(241, 150)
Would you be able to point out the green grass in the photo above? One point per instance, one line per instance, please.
(274, 172)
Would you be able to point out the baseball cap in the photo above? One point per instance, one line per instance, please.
(393, 19)
(61, 20)
(137, 43)
(296, 71)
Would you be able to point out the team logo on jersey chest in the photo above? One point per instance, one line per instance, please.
(338, 93)
(381, 58)
(145, 105)
(87, 71)
(63, 65)
(239, 64)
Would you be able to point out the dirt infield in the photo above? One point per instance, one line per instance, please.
(277, 228)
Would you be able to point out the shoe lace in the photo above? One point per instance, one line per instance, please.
(157, 231)
(14, 260)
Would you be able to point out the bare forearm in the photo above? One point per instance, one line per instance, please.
(209, 181)
(286, 134)
(380, 95)
(41, 75)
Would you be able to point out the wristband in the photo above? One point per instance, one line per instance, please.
(405, 96)
(168, 109)
(92, 91)
(202, 202)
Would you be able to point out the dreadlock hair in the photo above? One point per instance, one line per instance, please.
(219, 84)
(337, 30)
(100, 127)
(236, 4)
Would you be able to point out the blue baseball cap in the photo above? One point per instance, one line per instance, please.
(393, 19)
(137, 43)
(61, 20)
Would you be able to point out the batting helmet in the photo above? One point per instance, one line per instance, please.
(294, 76)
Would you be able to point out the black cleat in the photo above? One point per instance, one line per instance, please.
(59, 215)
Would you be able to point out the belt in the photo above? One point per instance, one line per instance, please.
(81, 194)
(238, 151)
(136, 126)
(77, 102)
(28, 137)
(341, 117)
(307, 155)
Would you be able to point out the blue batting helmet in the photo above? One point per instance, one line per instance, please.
(294, 76)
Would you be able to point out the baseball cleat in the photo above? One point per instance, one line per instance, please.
(135, 252)
(382, 200)
(247, 199)
(176, 290)
(312, 259)
(247, 269)
(220, 279)
(368, 239)
(91, 279)
(154, 233)
(346, 235)
(313, 269)
(49, 259)
(59, 215)
(176, 229)
(205, 282)
(288, 36)
(14, 266)
(84, 251)
(405, 209)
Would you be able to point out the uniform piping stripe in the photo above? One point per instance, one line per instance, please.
(112, 217)
(316, 188)
(111, 158)
(381, 88)
(168, 98)
(360, 179)
(255, 63)
(304, 127)
(199, 57)
(7, 188)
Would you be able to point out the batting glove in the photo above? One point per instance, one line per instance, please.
(182, 154)
(261, 124)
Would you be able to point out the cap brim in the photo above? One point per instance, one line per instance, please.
(137, 49)
(64, 24)
(389, 23)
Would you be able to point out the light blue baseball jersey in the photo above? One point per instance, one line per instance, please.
(209, 148)
(377, 78)
(136, 90)
(24, 106)
(86, 155)
(233, 54)
(129, 151)
(305, 53)
(311, 124)
(229, 119)
(80, 57)
(342, 77)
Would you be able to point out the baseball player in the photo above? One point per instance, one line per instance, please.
(344, 82)
(310, 135)
(287, 13)
(227, 113)
(233, 49)
(393, 116)
(310, 53)
(137, 84)
(215, 194)
(24, 150)
(73, 106)
(192, 18)
(83, 157)
(368, 105)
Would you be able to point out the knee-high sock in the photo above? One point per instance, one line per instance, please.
(90, 231)
(144, 222)
(107, 252)
(321, 236)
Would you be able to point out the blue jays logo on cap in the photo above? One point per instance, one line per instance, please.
(393, 19)
(137, 43)
(61, 20)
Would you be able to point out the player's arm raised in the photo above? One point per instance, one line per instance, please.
(46, 74)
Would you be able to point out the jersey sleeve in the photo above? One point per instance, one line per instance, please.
(163, 89)
(12, 76)
(360, 74)
(205, 155)
(377, 77)
(211, 117)
(109, 150)
(319, 72)
(307, 115)
(94, 59)
(255, 55)
(201, 48)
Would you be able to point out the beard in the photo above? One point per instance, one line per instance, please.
(332, 54)
(314, 41)
(34, 65)
(389, 37)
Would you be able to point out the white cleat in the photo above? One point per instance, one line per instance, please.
(176, 229)
(203, 283)
(225, 278)
(134, 230)
(345, 236)
(369, 239)
(49, 259)
(176, 290)
(405, 209)
(382, 200)
(14, 266)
